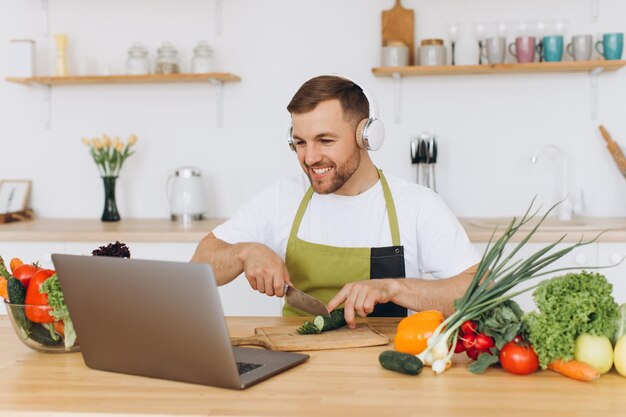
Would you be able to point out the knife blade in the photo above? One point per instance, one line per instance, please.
(303, 301)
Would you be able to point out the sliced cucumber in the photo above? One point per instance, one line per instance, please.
(404, 363)
(308, 328)
(335, 321)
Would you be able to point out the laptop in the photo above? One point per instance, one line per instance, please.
(159, 319)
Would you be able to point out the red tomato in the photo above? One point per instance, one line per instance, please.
(519, 358)
(24, 273)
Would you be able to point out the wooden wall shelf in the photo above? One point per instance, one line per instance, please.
(128, 79)
(594, 68)
(533, 67)
(216, 78)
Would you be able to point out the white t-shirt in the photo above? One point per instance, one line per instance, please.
(434, 241)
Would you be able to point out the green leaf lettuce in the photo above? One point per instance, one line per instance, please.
(570, 305)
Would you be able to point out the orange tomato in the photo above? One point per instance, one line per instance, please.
(420, 316)
(15, 262)
(413, 338)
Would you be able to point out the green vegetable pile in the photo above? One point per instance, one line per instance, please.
(570, 305)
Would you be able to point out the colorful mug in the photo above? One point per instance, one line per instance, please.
(523, 49)
(612, 46)
(551, 48)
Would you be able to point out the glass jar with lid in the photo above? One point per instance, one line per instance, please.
(167, 60)
(202, 61)
(137, 62)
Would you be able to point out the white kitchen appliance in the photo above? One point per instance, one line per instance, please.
(185, 194)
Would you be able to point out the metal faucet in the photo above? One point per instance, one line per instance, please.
(566, 209)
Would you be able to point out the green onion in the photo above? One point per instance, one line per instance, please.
(492, 284)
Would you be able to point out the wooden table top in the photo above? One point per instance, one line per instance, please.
(165, 230)
(347, 382)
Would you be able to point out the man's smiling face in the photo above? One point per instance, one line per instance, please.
(326, 146)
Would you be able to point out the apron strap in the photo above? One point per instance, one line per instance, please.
(300, 214)
(391, 211)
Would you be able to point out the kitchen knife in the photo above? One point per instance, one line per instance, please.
(615, 150)
(303, 301)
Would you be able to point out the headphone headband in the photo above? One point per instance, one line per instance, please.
(370, 132)
(373, 106)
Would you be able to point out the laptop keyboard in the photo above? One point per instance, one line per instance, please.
(245, 367)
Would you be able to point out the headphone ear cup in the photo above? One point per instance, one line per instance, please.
(370, 134)
(292, 145)
(359, 134)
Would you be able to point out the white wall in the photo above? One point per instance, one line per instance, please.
(488, 126)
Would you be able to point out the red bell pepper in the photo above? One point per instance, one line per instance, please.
(37, 308)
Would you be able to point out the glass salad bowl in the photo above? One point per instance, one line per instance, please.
(42, 337)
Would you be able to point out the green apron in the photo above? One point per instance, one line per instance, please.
(322, 270)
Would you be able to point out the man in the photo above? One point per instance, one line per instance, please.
(348, 234)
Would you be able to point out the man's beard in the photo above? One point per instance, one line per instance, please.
(341, 174)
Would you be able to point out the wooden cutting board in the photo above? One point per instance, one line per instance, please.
(286, 338)
(398, 24)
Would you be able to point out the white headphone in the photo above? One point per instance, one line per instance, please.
(370, 132)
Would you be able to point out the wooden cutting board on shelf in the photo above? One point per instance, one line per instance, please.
(398, 24)
(285, 338)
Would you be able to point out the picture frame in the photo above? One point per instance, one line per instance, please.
(14, 195)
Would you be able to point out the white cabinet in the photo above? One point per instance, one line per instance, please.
(611, 254)
(237, 298)
(579, 259)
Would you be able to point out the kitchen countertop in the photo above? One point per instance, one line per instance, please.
(125, 230)
(343, 382)
(165, 230)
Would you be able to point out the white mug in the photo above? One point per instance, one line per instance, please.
(580, 48)
(494, 49)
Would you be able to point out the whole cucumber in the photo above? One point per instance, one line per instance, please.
(404, 363)
(17, 295)
(42, 335)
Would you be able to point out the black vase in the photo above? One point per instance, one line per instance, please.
(110, 213)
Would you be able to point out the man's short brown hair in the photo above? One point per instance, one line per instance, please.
(327, 87)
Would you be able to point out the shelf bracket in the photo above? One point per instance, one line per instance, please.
(595, 10)
(397, 96)
(218, 17)
(219, 97)
(47, 99)
(593, 77)
(45, 7)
